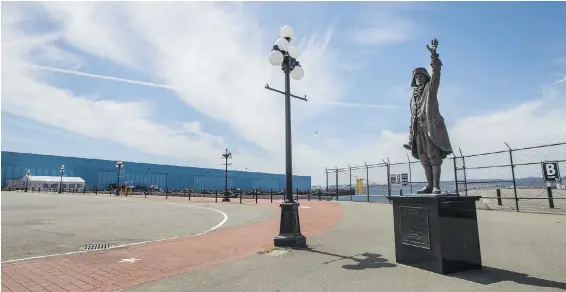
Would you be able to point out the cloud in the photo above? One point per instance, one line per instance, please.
(24, 94)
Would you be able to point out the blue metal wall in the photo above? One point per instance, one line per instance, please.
(101, 173)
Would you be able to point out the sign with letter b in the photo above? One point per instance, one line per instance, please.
(550, 171)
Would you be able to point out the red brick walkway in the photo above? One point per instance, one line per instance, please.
(102, 271)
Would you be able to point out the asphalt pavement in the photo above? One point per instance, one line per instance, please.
(521, 252)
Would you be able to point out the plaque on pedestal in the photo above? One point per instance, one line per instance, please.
(438, 233)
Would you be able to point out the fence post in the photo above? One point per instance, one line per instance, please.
(455, 173)
(336, 182)
(550, 200)
(498, 194)
(464, 168)
(367, 180)
(308, 195)
(410, 174)
(241, 195)
(350, 168)
(190, 190)
(319, 195)
(388, 177)
(513, 176)
(271, 195)
(326, 170)
(256, 195)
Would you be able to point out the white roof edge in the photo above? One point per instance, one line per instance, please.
(66, 179)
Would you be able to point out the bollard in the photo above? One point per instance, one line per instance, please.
(308, 195)
(498, 194)
(550, 200)
(184, 190)
(400, 192)
(189, 194)
(256, 195)
(271, 195)
(216, 196)
(241, 194)
(319, 194)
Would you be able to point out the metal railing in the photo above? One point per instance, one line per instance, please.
(511, 179)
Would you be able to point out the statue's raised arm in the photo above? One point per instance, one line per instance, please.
(435, 64)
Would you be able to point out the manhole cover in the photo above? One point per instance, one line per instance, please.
(97, 246)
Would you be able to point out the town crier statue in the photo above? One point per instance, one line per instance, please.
(428, 136)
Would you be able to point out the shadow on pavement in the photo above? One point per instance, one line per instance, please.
(371, 260)
(490, 275)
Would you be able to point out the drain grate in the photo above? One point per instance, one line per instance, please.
(97, 246)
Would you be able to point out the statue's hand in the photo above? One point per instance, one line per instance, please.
(432, 48)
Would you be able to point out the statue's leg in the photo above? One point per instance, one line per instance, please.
(428, 189)
(420, 139)
(435, 156)
(436, 170)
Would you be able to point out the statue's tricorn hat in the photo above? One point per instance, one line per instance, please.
(419, 70)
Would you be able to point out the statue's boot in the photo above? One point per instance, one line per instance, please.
(428, 188)
(436, 179)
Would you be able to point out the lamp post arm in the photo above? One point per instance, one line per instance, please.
(279, 91)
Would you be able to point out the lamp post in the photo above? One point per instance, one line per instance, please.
(28, 172)
(284, 55)
(226, 155)
(61, 170)
(119, 165)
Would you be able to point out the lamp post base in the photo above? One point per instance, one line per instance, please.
(290, 227)
(226, 197)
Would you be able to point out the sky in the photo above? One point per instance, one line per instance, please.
(179, 82)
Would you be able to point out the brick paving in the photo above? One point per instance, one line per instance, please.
(102, 271)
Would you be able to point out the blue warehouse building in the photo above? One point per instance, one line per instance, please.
(101, 173)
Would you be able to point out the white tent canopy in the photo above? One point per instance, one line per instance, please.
(48, 182)
(54, 179)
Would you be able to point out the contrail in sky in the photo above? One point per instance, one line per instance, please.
(173, 87)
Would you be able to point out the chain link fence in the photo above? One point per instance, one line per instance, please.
(514, 179)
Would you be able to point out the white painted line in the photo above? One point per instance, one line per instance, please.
(304, 207)
(135, 243)
(131, 260)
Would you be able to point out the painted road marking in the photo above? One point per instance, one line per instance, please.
(131, 260)
(135, 243)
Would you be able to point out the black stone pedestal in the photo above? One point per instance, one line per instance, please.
(437, 233)
(290, 227)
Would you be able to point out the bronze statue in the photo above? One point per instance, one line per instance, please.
(428, 136)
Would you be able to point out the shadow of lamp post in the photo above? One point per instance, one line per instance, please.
(119, 165)
(62, 171)
(226, 155)
(284, 55)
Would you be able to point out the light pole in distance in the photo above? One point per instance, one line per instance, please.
(285, 56)
(119, 165)
(226, 155)
(61, 171)
(28, 172)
